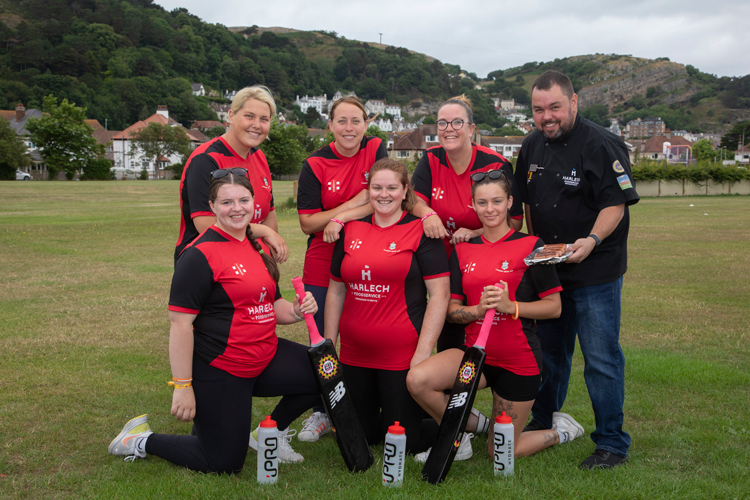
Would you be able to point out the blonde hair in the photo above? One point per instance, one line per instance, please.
(258, 92)
(462, 101)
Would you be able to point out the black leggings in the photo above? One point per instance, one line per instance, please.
(380, 398)
(224, 405)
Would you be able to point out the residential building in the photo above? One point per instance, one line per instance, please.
(338, 95)
(651, 126)
(742, 155)
(198, 89)
(508, 146)
(393, 110)
(318, 102)
(383, 124)
(507, 104)
(204, 125)
(375, 107)
(666, 147)
(222, 110)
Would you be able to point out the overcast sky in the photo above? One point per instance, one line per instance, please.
(485, 35)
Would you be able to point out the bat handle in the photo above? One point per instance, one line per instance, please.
(484, 331)
(315, 337)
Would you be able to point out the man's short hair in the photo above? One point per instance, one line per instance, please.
(549, 78)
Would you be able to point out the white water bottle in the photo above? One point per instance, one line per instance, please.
(268, 451)
(394, 453)
(503, 444)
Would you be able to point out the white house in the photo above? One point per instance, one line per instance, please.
(506, 146)
(318, 102)
(383, 124)
(742, 155)
(198, 89)
(393, 110)
(375, 106)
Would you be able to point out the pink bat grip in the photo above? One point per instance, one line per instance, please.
(315, 337)
(484, 332)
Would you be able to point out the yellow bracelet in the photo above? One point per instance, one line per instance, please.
(179, 386)
(515, 316)
(182, 379)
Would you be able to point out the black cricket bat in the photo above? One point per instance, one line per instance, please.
(339, 406)
(453, 424)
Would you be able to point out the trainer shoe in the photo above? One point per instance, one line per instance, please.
(563, 422)
(287, 455)
(314, 427)
(534, 426)
(464, 450)
(602, 459)
(125, 444)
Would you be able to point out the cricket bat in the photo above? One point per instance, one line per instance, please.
(339, 406)
(457, 411)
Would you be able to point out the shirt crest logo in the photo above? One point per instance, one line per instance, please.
(617, 167)
(265, 183)
(506, 266)
(365, 177)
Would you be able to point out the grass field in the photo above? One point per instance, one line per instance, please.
(84, 282)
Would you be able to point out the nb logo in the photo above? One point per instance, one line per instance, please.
(458, 400)
(336, 394)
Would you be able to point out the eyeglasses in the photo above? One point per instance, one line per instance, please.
(222, 172)
(492, 174)
(456, 124)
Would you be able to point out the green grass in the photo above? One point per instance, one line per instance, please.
(84, 281)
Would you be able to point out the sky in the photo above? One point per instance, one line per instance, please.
(486, 35)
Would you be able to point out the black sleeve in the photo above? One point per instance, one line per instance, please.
(338, 254)
(192, 281)
(516, 209)
(197, 178)
(308, 193)
(421, 180)
(607, 169)
(431, 256)
(457, 286)
(382, 151)
(522, 169)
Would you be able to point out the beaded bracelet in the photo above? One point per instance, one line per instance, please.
(428, 215)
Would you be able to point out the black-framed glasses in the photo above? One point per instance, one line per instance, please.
(456, 124)
(222, 172)
(492, 174)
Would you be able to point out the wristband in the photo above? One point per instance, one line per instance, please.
(179, 386)
(515, 316)
(476, 311)
(428, 215)
(182, 380)
(596, 239)
(294, 313)
(338, 222)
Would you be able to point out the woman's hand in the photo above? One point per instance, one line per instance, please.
(463, 234)
(278, 245)
(495, 298)
(183, 404)
(361, 198)
(332, 232)
(308, 305)
(433, 227)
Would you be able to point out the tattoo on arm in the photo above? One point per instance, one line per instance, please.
(462, 315)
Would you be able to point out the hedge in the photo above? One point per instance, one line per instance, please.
(703, 171)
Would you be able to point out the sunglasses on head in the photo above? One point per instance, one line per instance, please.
(492, 174)
(222, 172)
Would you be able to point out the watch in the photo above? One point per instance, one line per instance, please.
(596, 239)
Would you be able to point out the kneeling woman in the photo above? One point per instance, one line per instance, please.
(382, 269)
(223, 308)
(513, 364)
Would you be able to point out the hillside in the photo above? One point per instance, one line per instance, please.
(122, 58)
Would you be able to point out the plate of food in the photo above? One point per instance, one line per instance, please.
(549, 254)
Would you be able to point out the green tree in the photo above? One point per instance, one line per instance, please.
(507, 130)
(159, 140)
(64, 138)
(428, 120)
(731, 140)
(283, 149)
(375, 131)
(704, 150)
(12, 152)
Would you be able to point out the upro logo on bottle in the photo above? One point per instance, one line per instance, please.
(269, 455)
(390, 463)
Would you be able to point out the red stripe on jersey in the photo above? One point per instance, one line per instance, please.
(183, 310)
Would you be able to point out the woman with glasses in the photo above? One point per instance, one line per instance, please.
(383, 268)
(513, 364)
(333, 191)
(443, 186)
(224, 306)
(249, 124)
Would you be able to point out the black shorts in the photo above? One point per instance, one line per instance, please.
(508, 385)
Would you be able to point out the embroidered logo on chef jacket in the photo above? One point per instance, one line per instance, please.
(624, 182)
(617, 167)
(572, 179)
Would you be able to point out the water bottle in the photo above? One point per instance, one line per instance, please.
(503, 443)
(268, 451)
(394, 453)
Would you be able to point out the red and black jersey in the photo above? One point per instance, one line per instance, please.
(384, 270)
(225, 282)
(196, 176)
(512, 344)
(327, 180)
(449, 194)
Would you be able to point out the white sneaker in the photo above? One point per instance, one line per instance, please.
(287, 455)
(314, 427)
(125, 444)
(563, 422)
(464, 451)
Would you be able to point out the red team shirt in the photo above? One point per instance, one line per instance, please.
(512, 344)
(196, 176)
(225, 282)
(384, 270)
(327, 180)
(449, 194)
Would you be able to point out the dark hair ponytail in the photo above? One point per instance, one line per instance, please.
(268, 260)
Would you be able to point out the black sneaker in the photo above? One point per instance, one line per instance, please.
(534, 426)
(602, 459)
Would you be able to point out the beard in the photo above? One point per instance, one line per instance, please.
(562, 130)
